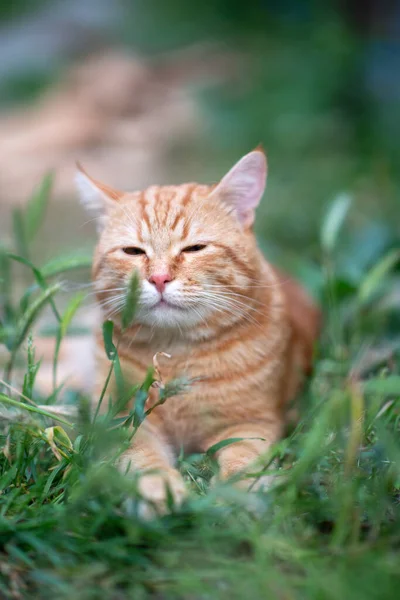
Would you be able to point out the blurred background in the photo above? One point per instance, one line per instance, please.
(166, 91)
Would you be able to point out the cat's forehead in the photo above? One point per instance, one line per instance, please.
(167, 211)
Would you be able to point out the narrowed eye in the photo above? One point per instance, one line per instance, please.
(194, 248)
(133, 250)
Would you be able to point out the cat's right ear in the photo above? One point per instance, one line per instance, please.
(98, 198)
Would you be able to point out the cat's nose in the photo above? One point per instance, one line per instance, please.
(159, 280)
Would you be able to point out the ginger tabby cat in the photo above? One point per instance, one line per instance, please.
(208, 298)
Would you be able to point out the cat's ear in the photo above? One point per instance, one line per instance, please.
(98, 198)
(243, 186)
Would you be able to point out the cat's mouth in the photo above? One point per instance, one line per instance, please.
(163, 303)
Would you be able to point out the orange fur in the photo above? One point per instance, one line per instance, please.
(242, 331)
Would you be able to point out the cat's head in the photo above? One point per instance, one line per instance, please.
(192, 246)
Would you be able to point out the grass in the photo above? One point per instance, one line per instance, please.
(330, 527)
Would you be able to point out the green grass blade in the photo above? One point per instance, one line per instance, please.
(37, 205)
(108, 330)
(131, 300)
(385, 386)
(65, 322)
(33, 409)
(32, 369)
(26, 322)
(62, 264)
(376, 276)
(39, 278)
(333, 221)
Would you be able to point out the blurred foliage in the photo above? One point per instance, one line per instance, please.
(301, 86)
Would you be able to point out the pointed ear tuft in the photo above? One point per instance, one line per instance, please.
(243, 186)
(98, 198)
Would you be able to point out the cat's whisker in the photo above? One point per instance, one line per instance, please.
(238, 304)
(230, 309)
(179, 328)
(113, 297)
(71, 286)
(225, 286)
(231, 301)
(134, 337)
(235, 313)
(115, 302)
(115, 310)
(106, 290)
(233, 294)
(235, 308)
(202, 317)
(233, 298)
(100, 217)
(90, 221)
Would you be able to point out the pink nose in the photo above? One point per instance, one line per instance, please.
(159, 280)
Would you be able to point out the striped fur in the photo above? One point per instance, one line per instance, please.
(242, 331)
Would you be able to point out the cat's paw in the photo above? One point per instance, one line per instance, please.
(160, 492)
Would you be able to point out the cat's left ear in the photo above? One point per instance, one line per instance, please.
(98, 198)
(243, 186)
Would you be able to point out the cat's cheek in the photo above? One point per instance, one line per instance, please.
(149, 295)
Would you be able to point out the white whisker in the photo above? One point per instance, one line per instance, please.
(230, 301)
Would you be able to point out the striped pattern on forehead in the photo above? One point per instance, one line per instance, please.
(169, 208)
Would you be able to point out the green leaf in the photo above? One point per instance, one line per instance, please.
(25, 261)
(374, 278)
(33, 311)
(27, 320)
(32, 370)
(388, 386)
(111, 351)
(62, 264)
(121, 402)
(140, 401)
(148, 380)
(37, 206)
(334, 220)
(141, 396)
(70, 311)
(119, 377)
(65, 322)
(56, 436)
(108, 329)
(40, 280)
(34, 409)
(131, 300)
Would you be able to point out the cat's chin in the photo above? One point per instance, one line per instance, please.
(167, 315)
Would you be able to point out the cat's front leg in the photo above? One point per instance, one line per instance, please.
(152, 458)
(241, 458)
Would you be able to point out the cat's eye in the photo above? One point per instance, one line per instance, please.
(194, 248)
(133, 250)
